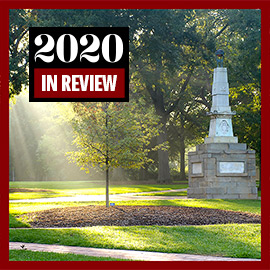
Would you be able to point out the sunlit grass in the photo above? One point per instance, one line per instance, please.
(55, 184)
(22, 208)
(74, 188)
(27, 255)
(82, 185)
(33, 195)
(230, 240)
(181, 193)
(250, 206)
(16, 222)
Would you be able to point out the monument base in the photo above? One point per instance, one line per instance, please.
(222, 171)
(221, 139)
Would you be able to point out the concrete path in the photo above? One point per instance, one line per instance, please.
(116, 197)
(122, 254)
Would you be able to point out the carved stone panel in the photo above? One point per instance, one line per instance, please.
(197, 168)
(231, 167)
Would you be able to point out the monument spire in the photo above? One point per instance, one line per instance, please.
(220, 130)
(221, 168)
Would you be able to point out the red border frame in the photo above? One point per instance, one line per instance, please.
(148, 4)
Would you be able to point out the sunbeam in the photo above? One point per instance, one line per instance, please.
(38, 143)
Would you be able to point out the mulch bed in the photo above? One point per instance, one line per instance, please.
(96, 215)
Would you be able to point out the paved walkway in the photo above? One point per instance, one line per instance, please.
(116, 197)
(121, 254)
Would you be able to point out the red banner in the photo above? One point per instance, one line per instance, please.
(79, 83)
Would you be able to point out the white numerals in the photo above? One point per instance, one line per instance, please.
(48, 47)
(93, 47)
(90, 53)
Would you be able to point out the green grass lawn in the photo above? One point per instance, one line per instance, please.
(34, 195)
(250, 206)
(27, 255)
(55, 184)
(175, 193)
(231, 240)
(73, 188)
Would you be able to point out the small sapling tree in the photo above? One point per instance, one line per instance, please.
(111, 135)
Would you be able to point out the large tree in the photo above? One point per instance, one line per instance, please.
(19, 22)
(170, 52)
(167, 51)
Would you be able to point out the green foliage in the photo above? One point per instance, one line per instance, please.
(231, 240)
(111, 135)
(171, 62)
(248, 119)
(19, 21)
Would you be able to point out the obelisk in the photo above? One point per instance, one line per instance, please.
(221, 168)
(221, 129)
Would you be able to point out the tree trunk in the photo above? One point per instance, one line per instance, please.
(143, 174)
(107, 187)
(163, 157)
(182, 159)
(259, 187)
(107, 155)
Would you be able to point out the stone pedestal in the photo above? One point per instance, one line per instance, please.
(221, 168)
(222, 171)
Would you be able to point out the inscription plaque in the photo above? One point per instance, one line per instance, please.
(197, 168)
(231, 167)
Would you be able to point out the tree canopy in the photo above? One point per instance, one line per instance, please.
(171, 65)
(111, 135)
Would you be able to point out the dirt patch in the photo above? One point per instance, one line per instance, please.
(12, 190)
(96, 215)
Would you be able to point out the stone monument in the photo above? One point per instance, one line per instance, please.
(221, 168)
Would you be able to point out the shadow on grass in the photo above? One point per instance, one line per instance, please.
(17, 223)
(231, 240)
(27, 255)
